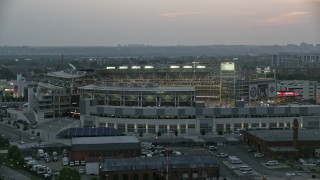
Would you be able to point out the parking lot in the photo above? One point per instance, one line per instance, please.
(51, 167)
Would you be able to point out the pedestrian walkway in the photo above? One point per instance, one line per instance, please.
(10, 174)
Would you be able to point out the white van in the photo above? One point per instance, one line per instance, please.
(65, 161)
(40, 152)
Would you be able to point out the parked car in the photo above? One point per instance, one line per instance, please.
(272, 163)
(71, 163)
(81, 171)
(258, 155)
(213, 148)
(47, 159)
(189, 145)
(77, 163)
(83, 162)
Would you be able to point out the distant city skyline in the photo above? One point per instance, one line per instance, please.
(162, 22)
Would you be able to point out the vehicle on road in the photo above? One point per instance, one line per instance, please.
(189, 145)
(234, 160)
(246, 172)
(234, 167)
(245, 168)
(21, 142)
(258, 155)
(213, 148)
(222, 155)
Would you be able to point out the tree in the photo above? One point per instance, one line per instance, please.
(14, 154)
(176, 133)
(93, 178)
(25, 127)
(32, 132)
(68, 173)
(38, 134)
(203, 132)
(159, 133)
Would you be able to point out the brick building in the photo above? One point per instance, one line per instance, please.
(105, 147)
(156, 168)
(282, 144)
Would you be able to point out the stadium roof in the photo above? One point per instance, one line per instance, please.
(136, 87)
(67, 74)
(87, 132)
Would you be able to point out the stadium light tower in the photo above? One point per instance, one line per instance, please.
(194, 68)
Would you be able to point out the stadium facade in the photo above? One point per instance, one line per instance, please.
(150, 108)
(59, 96)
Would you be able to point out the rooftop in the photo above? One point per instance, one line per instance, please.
(104, 140)
(184, 162)
(49, 86)
(67, 74)
(286, 135)
(280, 149)
(136, 87)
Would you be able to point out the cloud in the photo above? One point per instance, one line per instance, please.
(176, 14)
(284, 18)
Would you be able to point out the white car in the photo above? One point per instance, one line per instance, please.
(245, 168)
(258, 155)
(21, 142)
(222, 155)
(77, 163)
(71, 163)
(81, 171)
(272, 163)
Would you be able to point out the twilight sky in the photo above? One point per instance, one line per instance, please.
(158, 22)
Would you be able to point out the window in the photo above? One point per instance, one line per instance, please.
(145, 176)
(125, 177)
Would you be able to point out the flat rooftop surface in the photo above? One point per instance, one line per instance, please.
(105, 140)
(280, 149)
(137, 88)
(67, 74)
(286, 135)
(184, 162)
